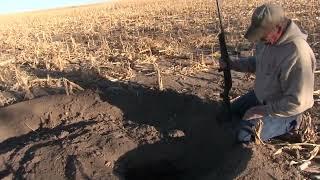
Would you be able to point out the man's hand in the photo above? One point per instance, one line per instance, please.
(255, 113)
(223, 64)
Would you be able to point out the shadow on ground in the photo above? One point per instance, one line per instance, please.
(205, 150)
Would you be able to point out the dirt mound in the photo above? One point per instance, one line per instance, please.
(127, 134)
(51, 111)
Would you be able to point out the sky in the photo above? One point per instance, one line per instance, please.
(12, 6)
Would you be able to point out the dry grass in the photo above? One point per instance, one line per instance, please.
(117, 40)
(305, 153)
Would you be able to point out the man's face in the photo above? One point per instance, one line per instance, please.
(272, 35)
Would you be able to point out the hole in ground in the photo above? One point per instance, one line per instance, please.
(160, 170)
(207, 151)
(205, 156)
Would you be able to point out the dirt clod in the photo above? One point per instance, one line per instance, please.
(176, 134)
(63, 134)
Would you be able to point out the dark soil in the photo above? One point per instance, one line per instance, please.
(131, 131)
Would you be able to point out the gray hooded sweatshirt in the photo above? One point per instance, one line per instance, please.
(284, 73)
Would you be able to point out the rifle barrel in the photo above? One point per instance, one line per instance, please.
(219, 14)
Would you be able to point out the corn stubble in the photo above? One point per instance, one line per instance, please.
(121, 38)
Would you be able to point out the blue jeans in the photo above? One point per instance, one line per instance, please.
(272, 126)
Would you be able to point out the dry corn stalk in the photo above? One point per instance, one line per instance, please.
(302, 163)
(306, 131)
(157, 69)
(23, 82)
(288, 147)
(307, 135)
(257, 132)
(314, 153)
(68, 85)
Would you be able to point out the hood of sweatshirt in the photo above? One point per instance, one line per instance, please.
(292, 32)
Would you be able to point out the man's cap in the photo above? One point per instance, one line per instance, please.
(263, 19)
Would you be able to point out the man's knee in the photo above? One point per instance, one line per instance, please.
(240, 105)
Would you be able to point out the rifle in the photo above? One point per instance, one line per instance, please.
(226, 71)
